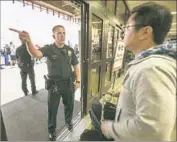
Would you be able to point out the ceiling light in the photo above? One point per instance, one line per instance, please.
(172, 32)
(173, 12)
(173, 23)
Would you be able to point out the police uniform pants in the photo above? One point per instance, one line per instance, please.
(55, 92)
(31, 74)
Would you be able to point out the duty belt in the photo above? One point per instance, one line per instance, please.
(25, 64)
(58, 82)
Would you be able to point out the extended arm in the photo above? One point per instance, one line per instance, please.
(24, 36)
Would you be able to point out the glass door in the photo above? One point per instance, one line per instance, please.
(96, 55)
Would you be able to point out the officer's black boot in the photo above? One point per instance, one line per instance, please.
(52, 136)
(70, 126)
(26, 93)
(34, 92)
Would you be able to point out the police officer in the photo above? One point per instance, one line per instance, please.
(26, 65)
(61, 59)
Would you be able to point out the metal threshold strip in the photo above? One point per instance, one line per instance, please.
(65, 132)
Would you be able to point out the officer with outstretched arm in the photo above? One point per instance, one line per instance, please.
(61, 63)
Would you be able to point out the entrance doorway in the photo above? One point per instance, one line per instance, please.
(38, 18)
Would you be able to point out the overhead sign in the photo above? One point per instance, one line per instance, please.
(118, 59)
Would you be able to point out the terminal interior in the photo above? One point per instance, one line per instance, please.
(95, 27)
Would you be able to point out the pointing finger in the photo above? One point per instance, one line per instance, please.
(14, 30)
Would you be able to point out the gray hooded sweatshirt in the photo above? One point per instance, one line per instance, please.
(146, 108)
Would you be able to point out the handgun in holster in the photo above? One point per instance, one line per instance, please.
(71, 86)
(47, 82)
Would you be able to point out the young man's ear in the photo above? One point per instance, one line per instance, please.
(145, 32)
(53, 36)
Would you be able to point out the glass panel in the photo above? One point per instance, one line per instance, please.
(97, 26)
(95, 77)
(109, 53)
(103, 1)
(111, 5)
(116, 37)
(120, 11)
(121, 35)
(108, 73)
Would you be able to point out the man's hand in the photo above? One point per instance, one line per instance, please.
(76, 85)
(113, 93)
(105, 126)
(24, 36)
(102, 127)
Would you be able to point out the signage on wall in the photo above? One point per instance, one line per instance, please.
(118, 59)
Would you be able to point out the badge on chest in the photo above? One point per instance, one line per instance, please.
(54, 57)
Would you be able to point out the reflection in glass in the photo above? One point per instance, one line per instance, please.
(95, 77)
(116, 37)
(111, 5)
(108, 73)
(103, 1)
(121, 11)
(110, 42)
(97, 24)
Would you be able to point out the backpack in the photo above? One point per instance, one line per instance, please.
(109, 111)
(92, 135)
(95, 134)
(95, 115)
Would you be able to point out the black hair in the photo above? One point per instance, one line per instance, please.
(53, 29)
(157, 16)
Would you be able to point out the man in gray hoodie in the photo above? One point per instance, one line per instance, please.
(146, 108)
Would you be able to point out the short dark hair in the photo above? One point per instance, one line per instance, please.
(53, 29)
(157, 16)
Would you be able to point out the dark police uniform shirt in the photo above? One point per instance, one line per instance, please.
(59, 61)
(22, 55)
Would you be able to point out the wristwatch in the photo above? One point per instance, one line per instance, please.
(77, 81)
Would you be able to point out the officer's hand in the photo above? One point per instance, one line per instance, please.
(24, 36)
(76, 85)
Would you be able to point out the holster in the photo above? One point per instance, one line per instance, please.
(47, 83)
(71, 86)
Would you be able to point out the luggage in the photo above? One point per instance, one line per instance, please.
(98, 112)
(109, 111)
(92, 135)
(105, 112)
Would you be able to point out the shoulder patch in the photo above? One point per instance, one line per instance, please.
(69, 53)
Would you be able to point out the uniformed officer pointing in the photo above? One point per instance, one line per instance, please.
(60, 61)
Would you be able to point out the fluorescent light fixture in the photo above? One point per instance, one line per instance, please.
(96, 22)
(172, 32)
(173, 12)
(173, 23)
(172, 29)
